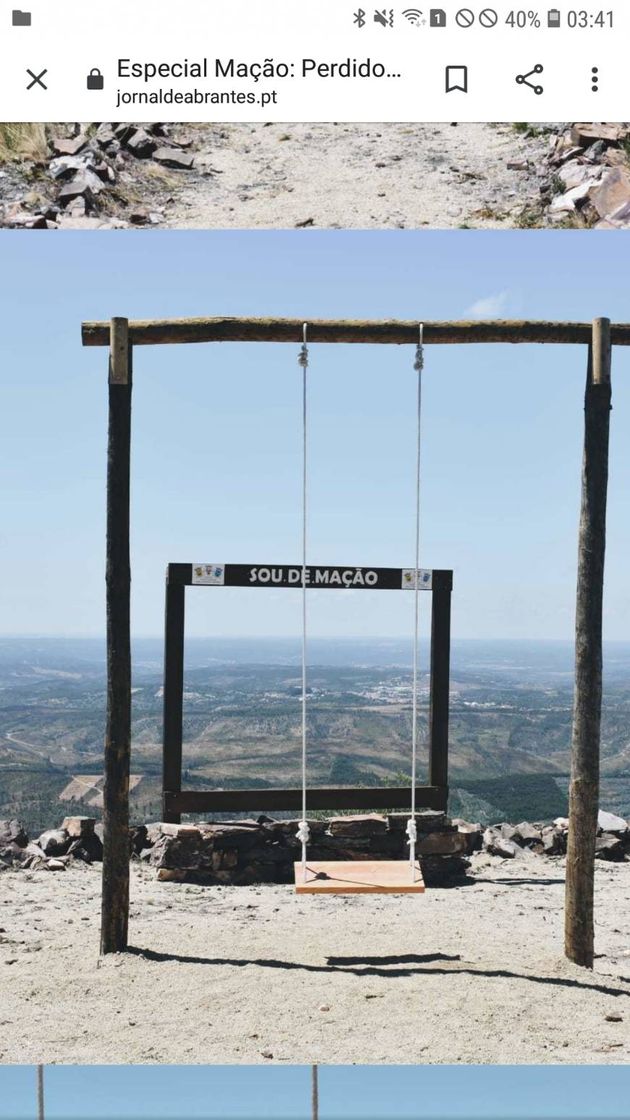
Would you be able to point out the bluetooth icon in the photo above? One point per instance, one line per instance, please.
(359, 18)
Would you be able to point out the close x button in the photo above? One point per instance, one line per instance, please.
(36, 79)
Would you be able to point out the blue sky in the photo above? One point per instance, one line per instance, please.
(348, 1092)
(216, 460)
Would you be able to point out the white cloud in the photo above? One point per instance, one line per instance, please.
(490, 307)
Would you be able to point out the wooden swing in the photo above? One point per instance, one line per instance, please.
(402, 876)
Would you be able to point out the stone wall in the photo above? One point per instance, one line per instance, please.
(264, 850)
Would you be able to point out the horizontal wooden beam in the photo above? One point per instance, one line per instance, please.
(290, 800)
(172, 331)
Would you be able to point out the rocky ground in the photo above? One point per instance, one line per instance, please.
(473, 973)
(590, 166)
(262, 850)
(327, 175)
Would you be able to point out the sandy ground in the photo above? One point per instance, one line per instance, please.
(471, 974)
(356, 176)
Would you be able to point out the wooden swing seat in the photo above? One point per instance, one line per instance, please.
(388, 876)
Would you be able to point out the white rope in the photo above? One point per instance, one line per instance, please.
(303, 833)
(412, 831)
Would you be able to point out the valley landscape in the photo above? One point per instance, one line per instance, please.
(510, 723)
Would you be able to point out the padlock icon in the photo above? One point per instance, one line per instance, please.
(95, 79)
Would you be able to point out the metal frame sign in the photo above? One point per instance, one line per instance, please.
(319, 577)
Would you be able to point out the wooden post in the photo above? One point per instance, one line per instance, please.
(314, 1093)
(173, 696)
(584, 789)
(115, 896)
(40, 1092)
(440, 673)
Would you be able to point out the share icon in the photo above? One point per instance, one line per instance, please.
(522, 79)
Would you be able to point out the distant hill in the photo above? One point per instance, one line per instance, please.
(510, 722)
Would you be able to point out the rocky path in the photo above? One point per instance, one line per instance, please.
(358, 176)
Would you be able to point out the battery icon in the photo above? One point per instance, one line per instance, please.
(553, 17)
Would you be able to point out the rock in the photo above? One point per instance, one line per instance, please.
(171, 875)
(473, 834)
(609, 847)
(242, 836)
(26, 221)
(54, 842)
(138, 838)
(227, 859)
(69, 147)
(183, 850)
(13, 832)
(614, 157)
(289, 828)
(87, 848)
(122, 132)
(562, 823)
(609, 822)
(619, 219)
(105, 171)
(612, 193)
(443, 871)
(573, 199)
(371, 824)
(173, 157)
(70, 221)
(85, 185)
(569, 153)
(518, 165)
(428, 820)
(497, 845)
(154, 831)
(66, 167)
(140, 144)
(79, 827)
(554, 841)
(76, 209)
(85, 844)
(574, 174)
(181, 831)
(527, 835)
(442, 844)
(583, 135)
(507, 831)
(105, 136)
(55, 865)
(596, 152)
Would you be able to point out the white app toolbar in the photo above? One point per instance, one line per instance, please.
(329, 61)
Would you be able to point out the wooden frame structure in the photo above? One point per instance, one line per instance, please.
(176, 801)
(121, 336)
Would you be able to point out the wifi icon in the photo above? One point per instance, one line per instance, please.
(414, 16)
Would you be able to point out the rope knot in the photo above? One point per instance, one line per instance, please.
(412, 831)
(418, 365)
(303, 833)
(303, 354)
